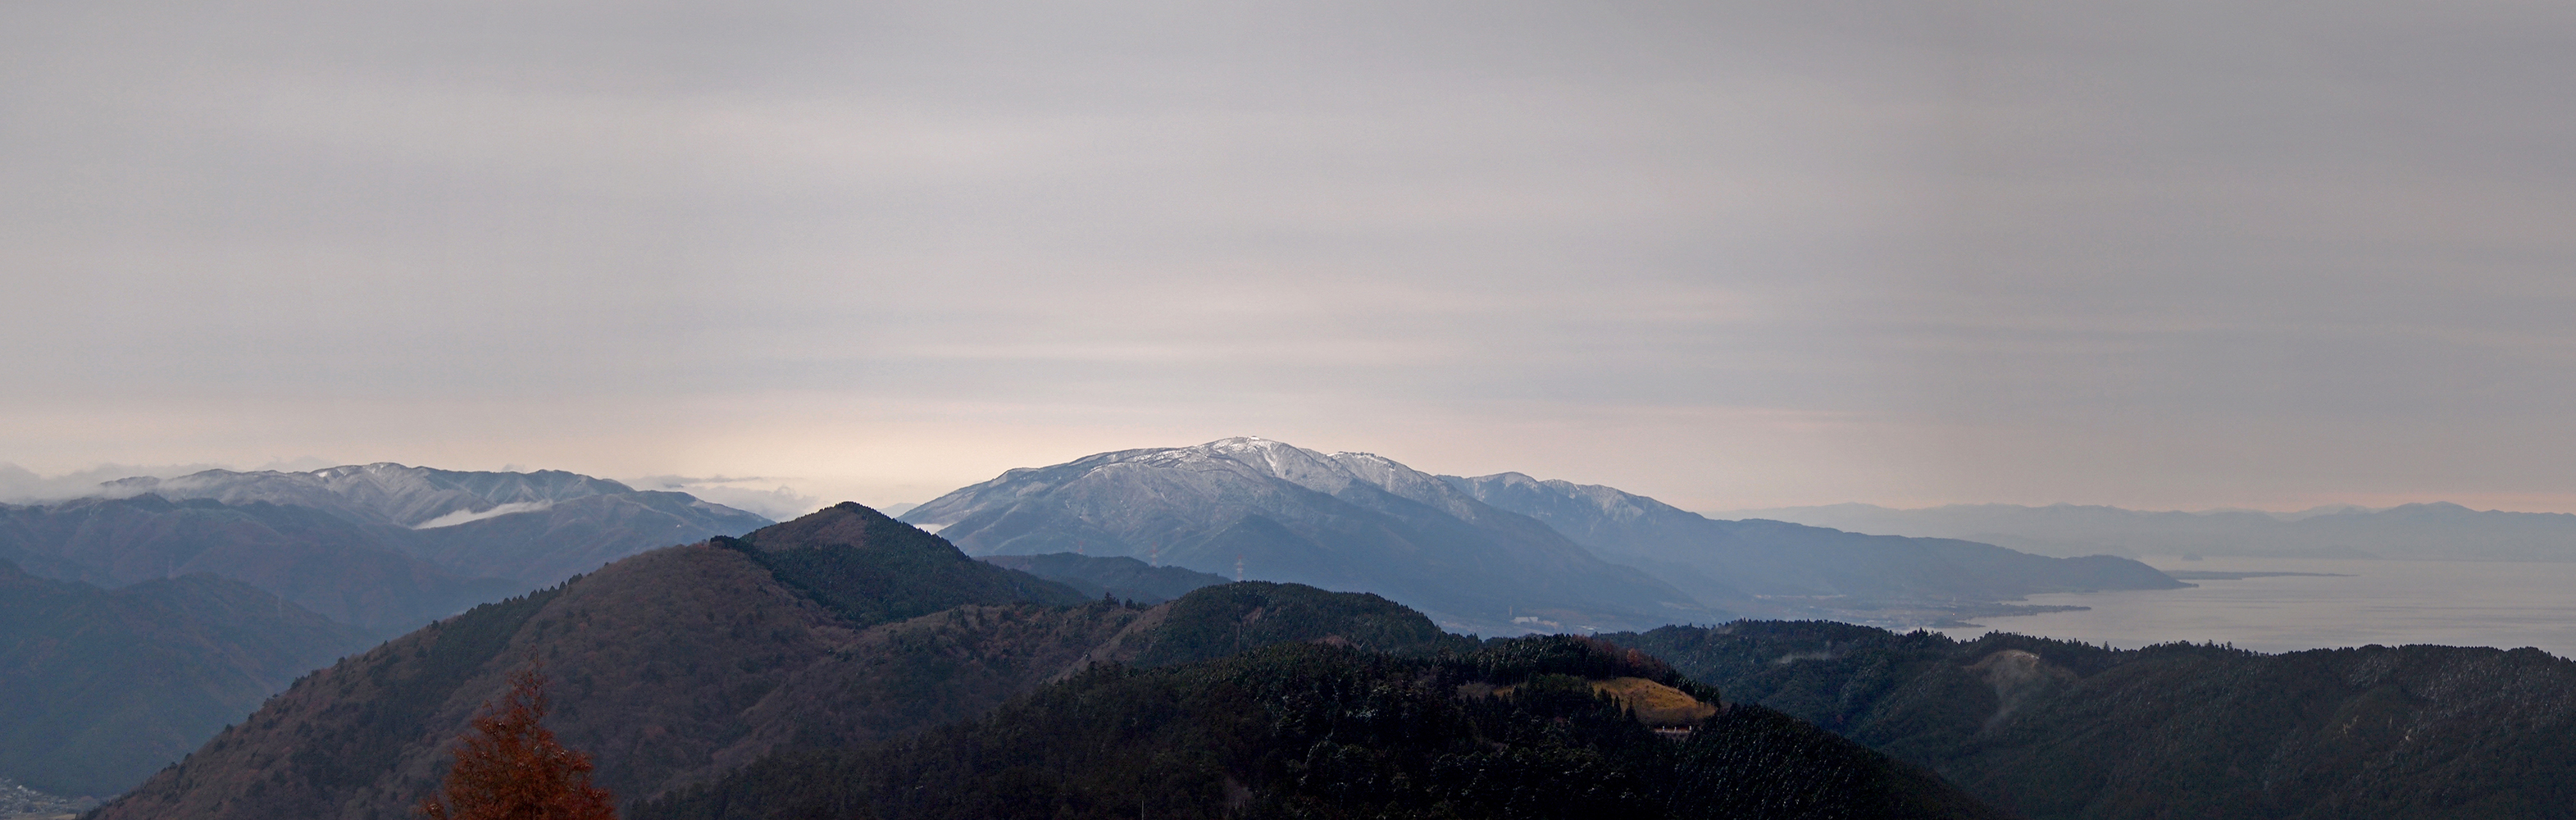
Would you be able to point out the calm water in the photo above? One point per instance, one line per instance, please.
(2460, 603)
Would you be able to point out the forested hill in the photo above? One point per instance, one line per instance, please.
(1113, 576)
(840, 628)
(669, 667)
(846, 630)
(99, 688)
(2052, 729)
(1515, 729)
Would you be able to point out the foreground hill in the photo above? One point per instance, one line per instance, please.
(1347, 521)
(2413, 531)
(2051, 729)
(842, 627)
(1847, 575)
(670, 667)
(845, 630)
(99, 688)
(1515, 729)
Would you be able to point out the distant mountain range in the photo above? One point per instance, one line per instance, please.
(1498, 554)
(534, 528)
(1773, 568)
(380, 546)
(1347, 521)
(354, 573)
(2412, 531)
(383, 493)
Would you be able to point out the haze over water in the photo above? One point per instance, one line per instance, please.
(2504, 604)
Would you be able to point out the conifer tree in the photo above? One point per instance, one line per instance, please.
(511, 768)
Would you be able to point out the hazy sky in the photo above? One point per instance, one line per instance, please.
(2167, 255)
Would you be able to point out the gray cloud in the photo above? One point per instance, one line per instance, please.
(1734, 256)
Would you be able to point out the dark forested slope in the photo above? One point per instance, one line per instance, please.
(842, 627)
(1308, 730)
(1112, 576)
(669, 667)
(2053, 729)
(1223, 620)
(845, 630)
(99, 688)
(871, 569)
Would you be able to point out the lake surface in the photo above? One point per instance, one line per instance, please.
(2503, 604)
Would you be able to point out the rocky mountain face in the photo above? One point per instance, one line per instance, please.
(99, 688)
(359, 574)
(1346, 521)
(2413, 531)
(1795, 569)
(2052, 729)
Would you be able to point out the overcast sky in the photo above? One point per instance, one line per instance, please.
(2169, 255)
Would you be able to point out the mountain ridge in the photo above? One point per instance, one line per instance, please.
(380, 493)
(1499, 554)
(1347, 521)
(1841, 574)
(353, 573)
(357, 542)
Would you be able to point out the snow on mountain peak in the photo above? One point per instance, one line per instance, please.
(1283, 461)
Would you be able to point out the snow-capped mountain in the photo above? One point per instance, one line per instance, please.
(535, 528)
(381, 493)
(379, 545)
(1347, 521)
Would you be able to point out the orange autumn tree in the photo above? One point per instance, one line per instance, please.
(511, 768)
